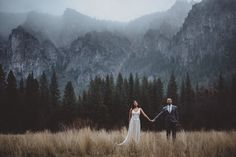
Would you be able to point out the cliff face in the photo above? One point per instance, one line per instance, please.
(97, 53)
(204, 44)
(26, 54)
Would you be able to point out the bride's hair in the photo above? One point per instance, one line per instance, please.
(133, 104)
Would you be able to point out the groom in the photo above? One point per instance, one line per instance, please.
(171, 116)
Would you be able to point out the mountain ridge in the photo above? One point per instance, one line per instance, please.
(156, 53)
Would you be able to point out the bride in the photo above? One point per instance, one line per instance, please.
(134, 123)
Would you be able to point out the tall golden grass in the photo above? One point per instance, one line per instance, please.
(88, 142)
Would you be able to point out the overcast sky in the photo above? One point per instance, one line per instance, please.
(117, 10)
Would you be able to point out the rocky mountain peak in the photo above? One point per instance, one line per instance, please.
(20, 38)
(73, 15)
(69, 11)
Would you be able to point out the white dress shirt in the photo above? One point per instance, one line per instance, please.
(169, 108)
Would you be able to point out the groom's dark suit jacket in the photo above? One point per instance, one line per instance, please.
(171, 118)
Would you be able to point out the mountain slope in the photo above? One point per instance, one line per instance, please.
(204, 45)
(173, 17)
(96, 53)
(25, 54)
(62, 30)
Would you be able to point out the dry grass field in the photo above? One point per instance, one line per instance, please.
(87, 142)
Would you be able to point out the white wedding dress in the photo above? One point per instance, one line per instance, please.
(134, 128)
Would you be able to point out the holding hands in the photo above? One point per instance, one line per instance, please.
(153, 120)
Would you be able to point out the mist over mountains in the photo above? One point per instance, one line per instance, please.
(193, 37)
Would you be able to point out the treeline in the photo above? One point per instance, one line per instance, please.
(35, 104)
(107, 102)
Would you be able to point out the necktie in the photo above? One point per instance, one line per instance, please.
(169, 108)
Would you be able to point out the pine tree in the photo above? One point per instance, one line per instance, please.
(119, 101)
(44, 89)
(197, 95)
(82, 106)
(96, 107)
(126, 93)
(108, 101)
(220, 93)
(108, 91)
(131, 88)
(172, 89)
(2, 83)
(21, 96)
(220, 89)
(188, 103)
(144, 94)
(159, 103)
(234, 86)
(127, 105)
(21, 86)
(54, 90)
(11, 84)
(119, 83)
(160, 92)
(69, 103)
(232, 100)
(136, 87)
(12, 102)
(54, 101)
(3, 104)
(36, 98)
(44, 101)
(27, 105)
(182, 92)
(145, 100)
(182, 107)
(32, 96)
(189, 92)
(153, 97)
(79, 107)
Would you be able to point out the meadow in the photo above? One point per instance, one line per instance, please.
(88, 142)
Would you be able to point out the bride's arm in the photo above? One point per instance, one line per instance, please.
(130, 113)
(144, 114)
